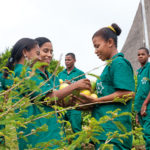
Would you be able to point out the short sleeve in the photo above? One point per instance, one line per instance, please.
(122, 75)
(149, 72)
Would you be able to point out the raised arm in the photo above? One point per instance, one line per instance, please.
(81, 84)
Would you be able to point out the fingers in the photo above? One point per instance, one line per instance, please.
(89, 99)
(84, 95)
(87, 81)
(83, 101)
(83, 84)
(87, 84)
(67, 81)
(143, 113)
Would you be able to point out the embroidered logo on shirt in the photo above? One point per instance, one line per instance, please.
(99, 88)
(144, 80)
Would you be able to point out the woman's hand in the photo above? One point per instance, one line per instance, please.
(64, 92)
(143, 109)
(145, 104)
(87, 99)
(83, 84)
(67, 81)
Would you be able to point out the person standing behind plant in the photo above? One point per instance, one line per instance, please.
(72, 74)
(25, 50)
(142, 97)
(46, 53)
(1, 89)
(116, 80)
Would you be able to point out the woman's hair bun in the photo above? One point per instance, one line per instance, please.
(117, 29)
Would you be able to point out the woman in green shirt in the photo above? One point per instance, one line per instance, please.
(28, 49)
(116, 80)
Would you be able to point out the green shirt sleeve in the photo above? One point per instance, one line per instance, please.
(149, 72)
(122, 76)
(41, 89)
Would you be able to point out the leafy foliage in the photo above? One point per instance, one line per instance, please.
(4, 57)
(13, 105)
(52, 67)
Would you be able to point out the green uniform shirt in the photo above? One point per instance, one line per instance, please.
(40, 77)
(118, 75)
(1, 126)
(73, 116)
(1, 88)
(54, 127)
(143, 87)
(73, 75)
(5, 82)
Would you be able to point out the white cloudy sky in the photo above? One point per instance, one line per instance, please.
(69, 24)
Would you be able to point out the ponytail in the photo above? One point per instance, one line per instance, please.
(9, 65)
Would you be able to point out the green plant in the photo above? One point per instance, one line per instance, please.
(13, 105)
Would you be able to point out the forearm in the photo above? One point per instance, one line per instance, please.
(60, 94)
(117, 94)
(147, 100)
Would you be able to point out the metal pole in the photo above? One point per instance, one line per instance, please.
(145, 24)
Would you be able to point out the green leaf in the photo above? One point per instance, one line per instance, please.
(94, 75)
(120, 126)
